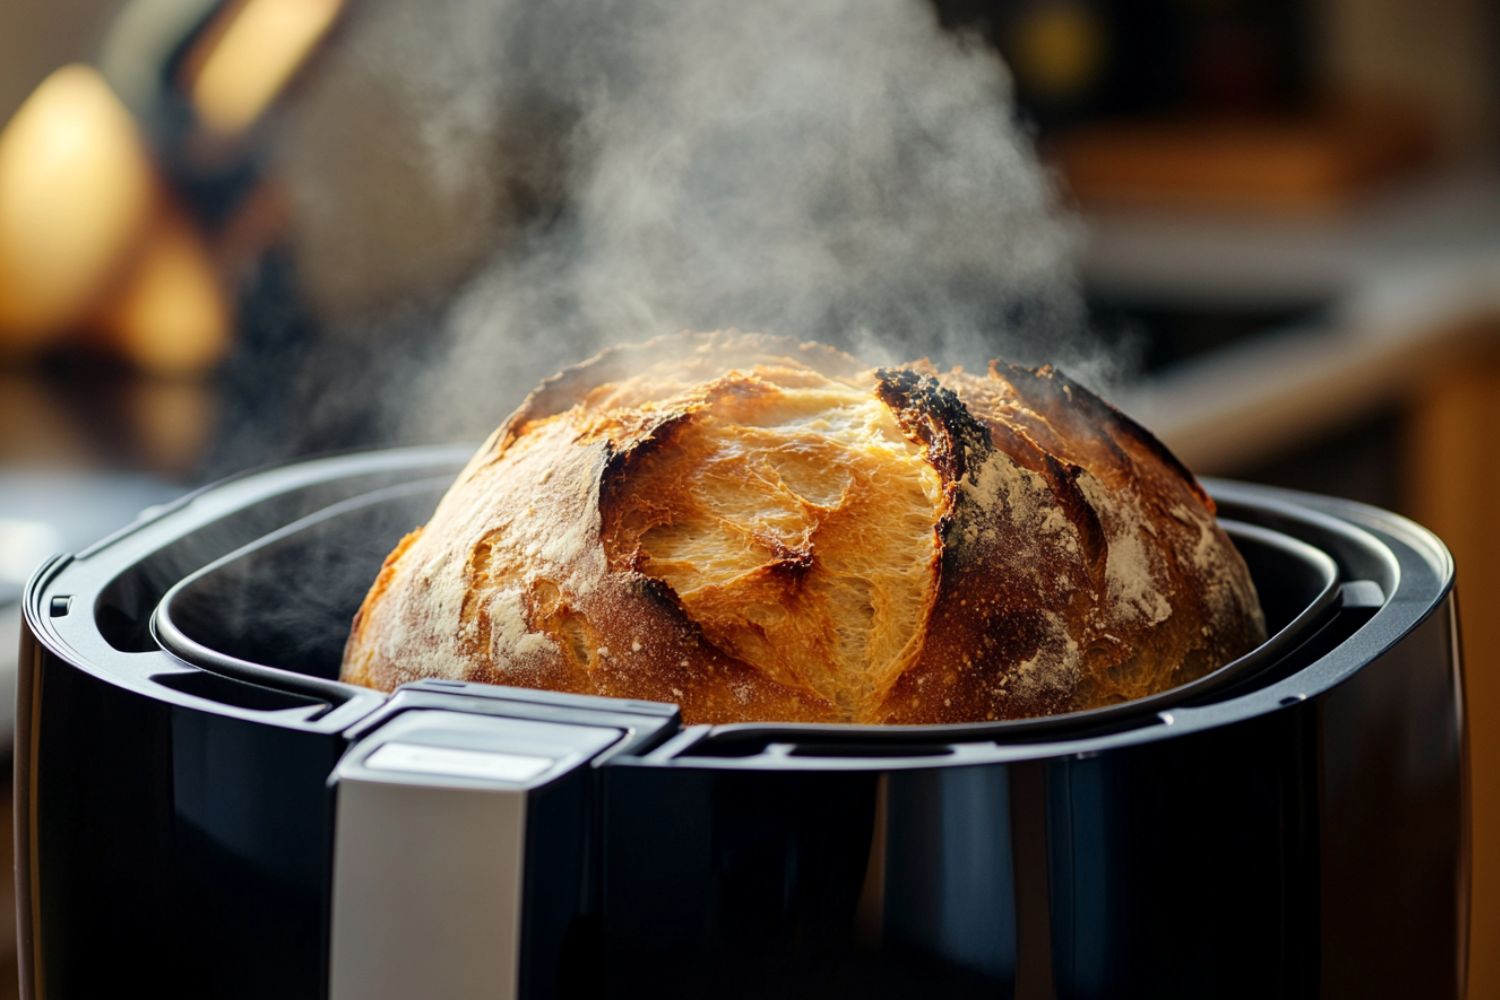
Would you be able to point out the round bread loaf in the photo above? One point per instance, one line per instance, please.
(759, 531)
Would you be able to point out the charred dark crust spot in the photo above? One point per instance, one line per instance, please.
(621, 457)
(620, 460)
(958, 443)
(661, 593)
(691, 634)
(934, 415)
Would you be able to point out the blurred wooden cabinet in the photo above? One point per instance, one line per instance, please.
(1451, 465)
(1411, 424)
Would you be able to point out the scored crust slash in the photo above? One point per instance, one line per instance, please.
(764, 531)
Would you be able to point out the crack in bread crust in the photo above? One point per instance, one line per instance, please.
(760, 512)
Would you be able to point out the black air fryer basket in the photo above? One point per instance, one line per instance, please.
(1291, 824)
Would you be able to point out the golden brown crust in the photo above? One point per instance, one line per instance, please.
(1091, 568)
(760, 531)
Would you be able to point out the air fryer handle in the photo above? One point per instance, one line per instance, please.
(435, 815)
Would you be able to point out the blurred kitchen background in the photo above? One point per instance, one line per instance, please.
(218, 242)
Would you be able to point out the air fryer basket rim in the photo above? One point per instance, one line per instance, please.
(1411, 567)
(169, 633)
(169, 630)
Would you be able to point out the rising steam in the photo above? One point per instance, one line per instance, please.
(842, 170)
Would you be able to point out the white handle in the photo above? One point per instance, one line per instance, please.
(430, 852)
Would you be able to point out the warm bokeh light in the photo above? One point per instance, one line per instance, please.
(245, 65)
(169, 314)
(76, 190)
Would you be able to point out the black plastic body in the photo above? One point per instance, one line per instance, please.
(1297, 829)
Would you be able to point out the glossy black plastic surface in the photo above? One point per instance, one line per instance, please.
(1313, 851)
(168, 850)
(1300, 836)
(173, 824)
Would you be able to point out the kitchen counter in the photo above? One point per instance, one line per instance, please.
(1412, 279)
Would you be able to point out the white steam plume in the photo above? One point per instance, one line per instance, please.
(842, 170)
